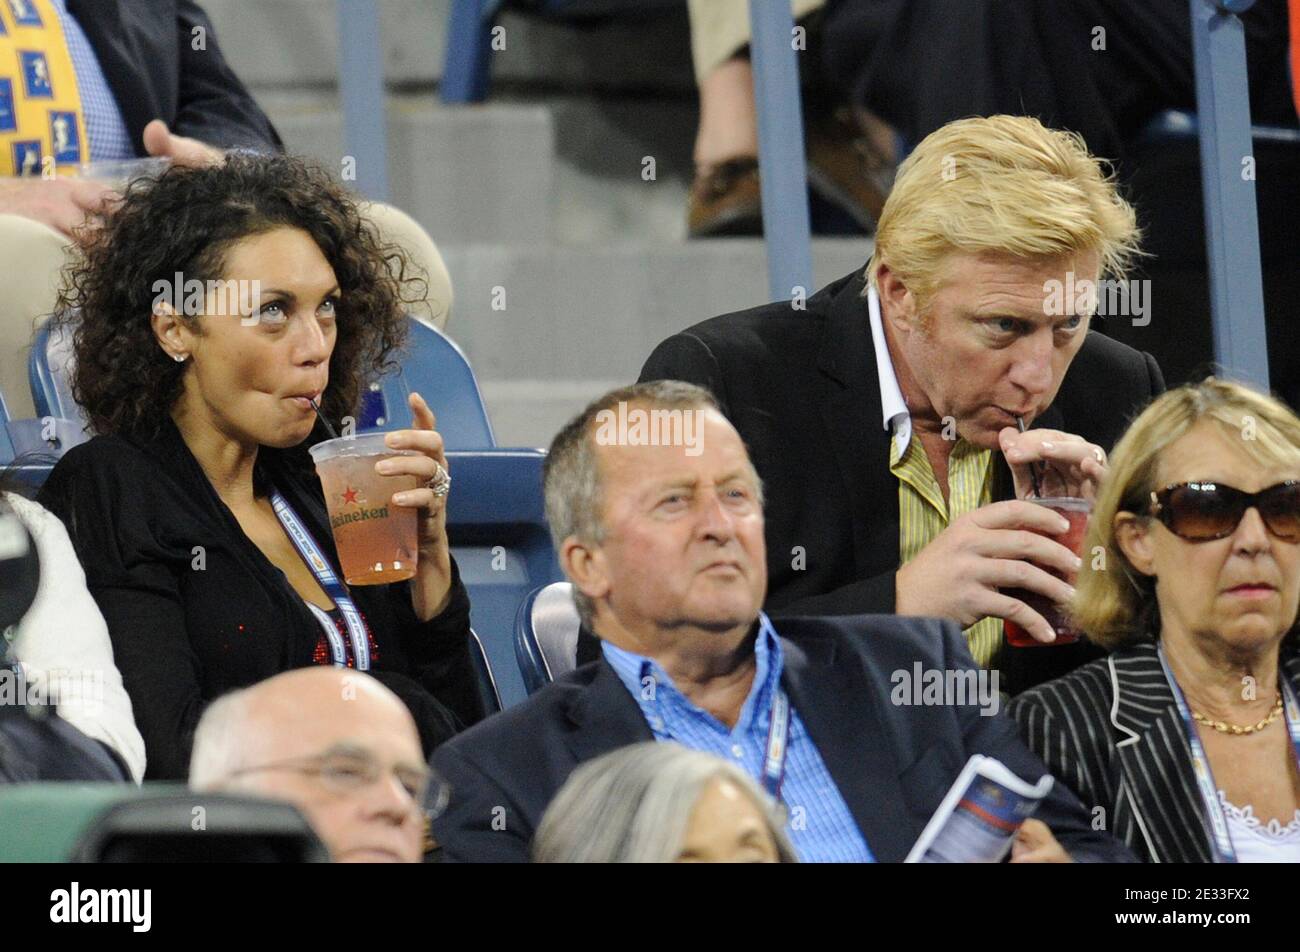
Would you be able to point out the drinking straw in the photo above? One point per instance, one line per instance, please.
(1033, 472)
(334, 435)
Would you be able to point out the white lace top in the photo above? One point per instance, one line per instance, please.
(1258, 842)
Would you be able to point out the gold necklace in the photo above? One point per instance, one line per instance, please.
(1224, 728)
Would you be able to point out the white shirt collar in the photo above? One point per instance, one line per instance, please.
(893, 409)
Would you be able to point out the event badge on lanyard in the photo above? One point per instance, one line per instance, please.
(1201, 763)
(778, 735)
(333, 587)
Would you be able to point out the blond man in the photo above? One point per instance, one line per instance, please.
(883, 411)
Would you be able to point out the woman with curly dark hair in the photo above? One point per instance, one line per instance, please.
(209, 312)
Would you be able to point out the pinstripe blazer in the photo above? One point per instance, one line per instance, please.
(1111, 732)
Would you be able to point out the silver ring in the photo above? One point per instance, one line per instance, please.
(440, 484)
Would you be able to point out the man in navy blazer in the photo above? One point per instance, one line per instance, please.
(657, 515)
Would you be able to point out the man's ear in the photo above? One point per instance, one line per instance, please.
(584, 564)
(1133, 538)
(897, 305)
(171, 334)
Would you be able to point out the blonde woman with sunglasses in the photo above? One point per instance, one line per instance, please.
(1185, 741)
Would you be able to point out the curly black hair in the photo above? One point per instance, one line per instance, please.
(185, 221)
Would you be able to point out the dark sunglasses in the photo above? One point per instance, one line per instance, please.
(1200, 512)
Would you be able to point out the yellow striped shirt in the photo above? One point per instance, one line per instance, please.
(923, 514)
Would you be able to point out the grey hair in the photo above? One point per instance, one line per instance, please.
(571, 476)
(633, 805)
(220, 743)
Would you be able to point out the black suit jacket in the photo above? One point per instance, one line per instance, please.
(1112, 732)
(195, 609)
(146, 50)
(892, 764)
(801, 388)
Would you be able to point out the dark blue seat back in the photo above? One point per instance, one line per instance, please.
(436, 368)
(49, 372)
(487, 683)
(497, 527)
(546, 635)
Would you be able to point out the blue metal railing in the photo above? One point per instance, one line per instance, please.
(1231, 217)
(361, 90)
(782, 164)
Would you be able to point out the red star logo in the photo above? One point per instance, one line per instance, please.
(350, 495)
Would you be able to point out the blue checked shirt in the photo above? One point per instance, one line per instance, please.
(819, 825)
(105, 127)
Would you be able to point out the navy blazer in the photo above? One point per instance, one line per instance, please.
(892, 764)
(146, 50)
(801, 388)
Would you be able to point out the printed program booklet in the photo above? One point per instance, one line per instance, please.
(978, 819)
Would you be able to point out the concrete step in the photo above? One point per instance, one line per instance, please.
(548, 329)
(276, 43)
(572, 169)
(467, 175)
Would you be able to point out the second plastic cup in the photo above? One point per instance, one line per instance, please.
(376, 540)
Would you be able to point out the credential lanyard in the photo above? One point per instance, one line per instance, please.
(332, 586)
(778, 735)
(1201, 763)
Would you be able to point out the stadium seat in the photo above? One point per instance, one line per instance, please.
(487, 683)
(1179, 125)
(6, 446)
(497, 527)
(546, 635)
(186, 827)
(49, 371)
(435, 367)
(29, 448)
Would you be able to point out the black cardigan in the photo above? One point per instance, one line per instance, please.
(194, 609)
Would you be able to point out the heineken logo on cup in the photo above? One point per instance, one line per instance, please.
(376, 542)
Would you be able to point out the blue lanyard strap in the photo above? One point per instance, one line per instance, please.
(332, 586)
(778, 734)
(1225, 853)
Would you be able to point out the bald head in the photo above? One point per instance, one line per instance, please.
(334, 742)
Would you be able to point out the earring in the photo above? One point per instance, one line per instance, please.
(179, 358)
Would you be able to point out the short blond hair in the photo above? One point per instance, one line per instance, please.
(1114, 603)
(1000, 184)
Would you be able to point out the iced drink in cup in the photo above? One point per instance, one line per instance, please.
(1077, 512)
(376, 540)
